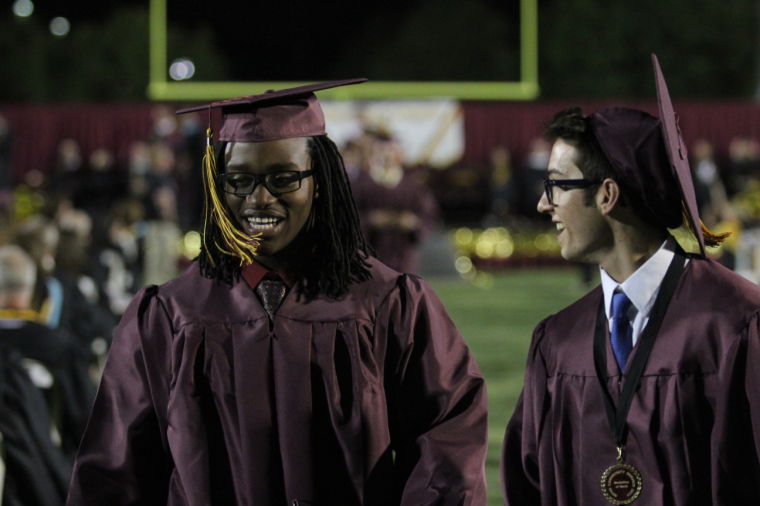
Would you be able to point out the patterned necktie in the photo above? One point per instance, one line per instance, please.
(271, 292)
(621, 334)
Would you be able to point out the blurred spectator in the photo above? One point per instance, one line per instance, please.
(396, 210)
(29, 197)
(165, 127)
(57, 364)
(503, 191)
(462, 193)
(743, 163)
(161, 175)
(711, 192)
(706, 172)
(530, 178)
(162, 239)
(68, 166)
(138, 167)
(116, 256)
(34, 470)
(39, 237)
(6, 172)
(354, 157)
(85, 312)
(101, 184)
(188, 171)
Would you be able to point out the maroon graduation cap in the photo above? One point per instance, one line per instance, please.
(649, 157)
(273, 115)
(677, 154)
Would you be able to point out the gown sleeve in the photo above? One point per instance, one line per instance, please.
(752, 382)
(736, 435)
(123, 457)
(519, 463)
(437, 402)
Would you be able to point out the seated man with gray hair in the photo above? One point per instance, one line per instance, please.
(56, 363)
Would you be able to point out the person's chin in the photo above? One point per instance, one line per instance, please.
(568, 254)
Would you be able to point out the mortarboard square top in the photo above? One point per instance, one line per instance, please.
(677, 154)
(273, 115)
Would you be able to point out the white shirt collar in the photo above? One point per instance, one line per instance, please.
(643, 285)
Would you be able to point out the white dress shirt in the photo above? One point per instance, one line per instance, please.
(641, 287)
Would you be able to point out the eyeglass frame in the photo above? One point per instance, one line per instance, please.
(549, 185)
(262, 179)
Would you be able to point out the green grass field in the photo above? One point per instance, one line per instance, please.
(497, 323)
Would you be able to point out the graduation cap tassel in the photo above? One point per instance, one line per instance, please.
(712, 239)
(236, 243)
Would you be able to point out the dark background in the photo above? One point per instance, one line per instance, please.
(587, 48)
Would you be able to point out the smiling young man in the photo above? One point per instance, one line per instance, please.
(287, 366)
(647, 389)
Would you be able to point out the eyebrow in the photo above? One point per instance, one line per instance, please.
(550, 172)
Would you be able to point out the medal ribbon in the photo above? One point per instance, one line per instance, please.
(617, 415)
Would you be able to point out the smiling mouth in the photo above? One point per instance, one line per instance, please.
(262, 224)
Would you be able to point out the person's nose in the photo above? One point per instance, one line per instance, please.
(260, 196)
(543, 205)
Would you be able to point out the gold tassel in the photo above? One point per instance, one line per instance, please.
(237, 243)
(712, 240)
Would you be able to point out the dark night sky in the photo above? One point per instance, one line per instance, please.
(317, 39)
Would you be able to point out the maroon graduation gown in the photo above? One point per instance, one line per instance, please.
(369, 400)
(694, 424)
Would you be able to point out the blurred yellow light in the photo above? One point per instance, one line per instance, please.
(484, 247)
(489, 234)
(191, 244)
(502, 233)
(463, 236)
(544, 242)
(463, 265)
(504, 248)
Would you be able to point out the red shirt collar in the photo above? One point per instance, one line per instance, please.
(255, 272)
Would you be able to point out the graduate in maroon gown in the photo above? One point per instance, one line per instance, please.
(396, 209)
(286, 366)
(646, 390)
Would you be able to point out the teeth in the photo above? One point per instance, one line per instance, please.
(263, 221)
(560, 227)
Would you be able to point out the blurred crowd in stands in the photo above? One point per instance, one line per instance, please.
(78, 241)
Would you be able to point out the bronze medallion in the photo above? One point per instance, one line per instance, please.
(621, 484)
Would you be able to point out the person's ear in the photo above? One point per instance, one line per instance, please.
(608, 196)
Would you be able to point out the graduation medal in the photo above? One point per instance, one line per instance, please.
(621, 483)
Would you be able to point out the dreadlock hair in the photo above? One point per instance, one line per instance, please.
(330, 251)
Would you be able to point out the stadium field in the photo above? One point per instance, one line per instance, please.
(497, 323)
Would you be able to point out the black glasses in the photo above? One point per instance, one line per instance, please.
(242, 184)
(566, 184)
